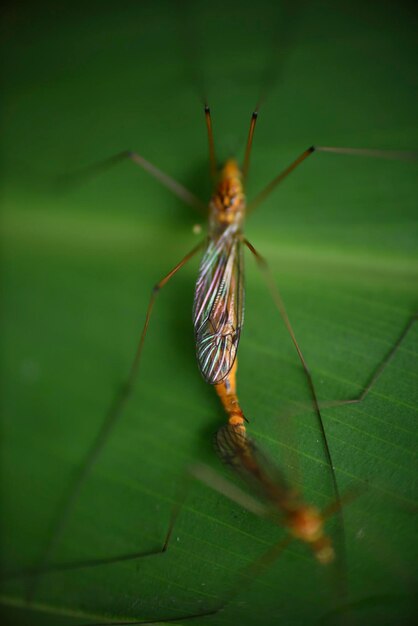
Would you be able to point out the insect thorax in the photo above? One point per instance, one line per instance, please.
(227, 205)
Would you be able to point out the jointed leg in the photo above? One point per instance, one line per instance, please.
(176, 188)
(373, 379)
(256, 569)
(246, 576)
(113, 414)
(211, 144)
(63, 567)
(380, 154)
(159, 620)
(246, 164)
(378, 371)
(33, 573)
(281, 308)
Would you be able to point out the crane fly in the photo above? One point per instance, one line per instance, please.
(239, 452)
(218, 316)
(304, 522)
(275, 500)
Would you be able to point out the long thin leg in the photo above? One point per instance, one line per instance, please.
(378, 371)
(282, 310)
(380, 154)
(111, 417)
(248, 573)
(273, 184)
(339, 502)
(256, 568)
(128, 557)
(280, 305)
(252, 571)
(212, 156)
(37, 571)
(159, 620)
(176, 188)
(246, 165)
(246, 576)
(374, 377)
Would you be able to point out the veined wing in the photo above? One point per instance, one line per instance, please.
(218, 311)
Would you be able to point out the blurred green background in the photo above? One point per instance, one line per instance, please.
(82, 81)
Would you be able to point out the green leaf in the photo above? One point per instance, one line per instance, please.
(84, 82)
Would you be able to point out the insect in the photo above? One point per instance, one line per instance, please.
(238, 451)
(219, 300)
(219, 296)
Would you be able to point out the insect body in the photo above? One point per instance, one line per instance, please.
(219, 300)
(237, 450)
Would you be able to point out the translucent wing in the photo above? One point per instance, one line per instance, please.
(218, 311)
(261, 475)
